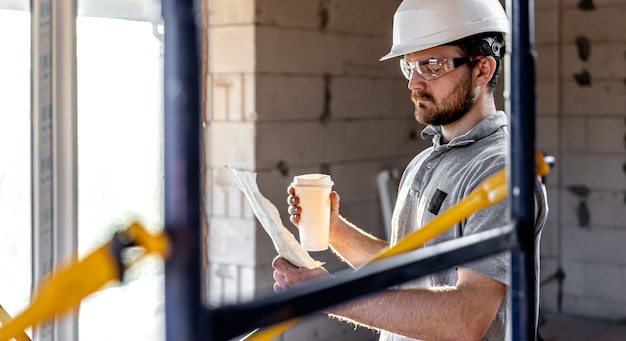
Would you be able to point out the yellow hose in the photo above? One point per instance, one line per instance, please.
(5, 318)
(69, 285)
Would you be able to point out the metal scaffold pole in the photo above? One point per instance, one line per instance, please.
(54, 148)
(182, 184)
(521, 101)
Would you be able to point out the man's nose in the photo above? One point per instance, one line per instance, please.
(416, 82)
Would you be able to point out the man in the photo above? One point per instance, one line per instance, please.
(451, 53)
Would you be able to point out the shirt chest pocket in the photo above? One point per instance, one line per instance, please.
(436, 201)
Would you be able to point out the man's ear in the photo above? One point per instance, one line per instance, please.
(483, 71)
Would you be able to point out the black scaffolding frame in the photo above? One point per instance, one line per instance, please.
(187, 318)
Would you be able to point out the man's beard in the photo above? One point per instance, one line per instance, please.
(452, 108)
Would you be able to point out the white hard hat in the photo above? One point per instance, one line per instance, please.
(422, 24)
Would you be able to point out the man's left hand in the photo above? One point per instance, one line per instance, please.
(287, 275)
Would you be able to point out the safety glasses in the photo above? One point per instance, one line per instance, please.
(433, 67)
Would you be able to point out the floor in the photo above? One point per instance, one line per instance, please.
(564, 328)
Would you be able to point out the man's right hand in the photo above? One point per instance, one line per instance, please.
(294, 209)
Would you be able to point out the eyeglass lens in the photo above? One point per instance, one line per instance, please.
(431, 68)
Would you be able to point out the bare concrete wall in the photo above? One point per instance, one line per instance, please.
(295, 86)
(582, 121)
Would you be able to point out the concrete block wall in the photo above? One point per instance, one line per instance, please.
(581, 89)
(295, 86)
(229, 135)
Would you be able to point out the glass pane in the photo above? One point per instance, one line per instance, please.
(15, 187)
(120, 160)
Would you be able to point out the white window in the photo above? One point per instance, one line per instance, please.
(120, 172)
(120, 143)
(15, 187)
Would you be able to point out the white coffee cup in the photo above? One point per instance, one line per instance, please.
(314, 193)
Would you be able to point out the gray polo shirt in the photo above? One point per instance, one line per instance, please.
(436, 180)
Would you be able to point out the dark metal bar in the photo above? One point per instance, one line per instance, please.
(182, 192)
(521, 168)
(315, 295)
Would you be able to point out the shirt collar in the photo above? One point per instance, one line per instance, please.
(484, 128)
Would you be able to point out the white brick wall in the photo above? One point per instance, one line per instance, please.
(224, 56)
(390, 99)
(232, 97)
(229, 13)
(288, 13)
(229, 135)
(610, 25)
(585, 127)
(285, 97)
(603, 97)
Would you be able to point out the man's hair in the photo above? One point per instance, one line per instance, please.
(484, 44)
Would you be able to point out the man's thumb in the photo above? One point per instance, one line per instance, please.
(334, 201)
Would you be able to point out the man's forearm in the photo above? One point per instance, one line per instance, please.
(354, 245)
(419, 313)
(462, 312)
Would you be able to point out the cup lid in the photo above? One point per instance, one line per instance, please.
(314, 179)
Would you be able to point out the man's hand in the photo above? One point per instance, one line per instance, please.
(294, 209)
(287, 275)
